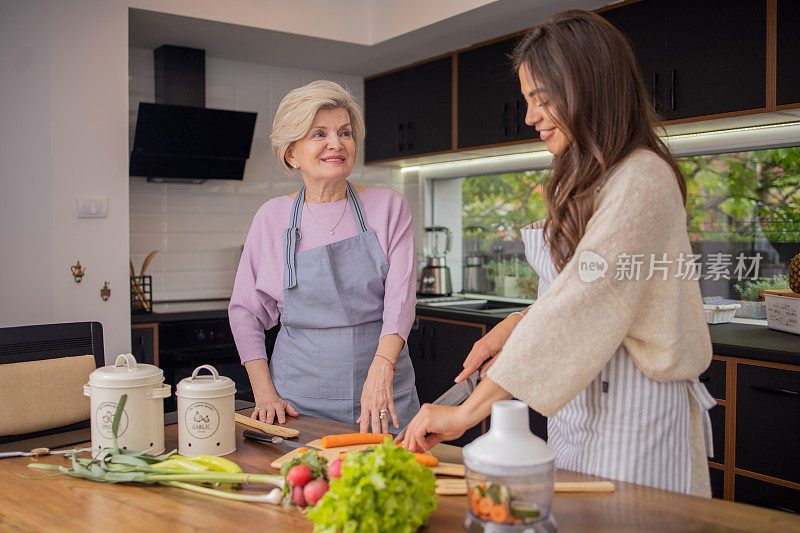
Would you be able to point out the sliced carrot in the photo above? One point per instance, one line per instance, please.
(426, 459)
(474, 499)
(499, 514)
(350, 439)
(473, 505)
(485, 505)
(301, 451)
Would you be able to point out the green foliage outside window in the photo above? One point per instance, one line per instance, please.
(742, 197)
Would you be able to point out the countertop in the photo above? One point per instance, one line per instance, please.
(746, 340)
(73, 504)
(749, 341)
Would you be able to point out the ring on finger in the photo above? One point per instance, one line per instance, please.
(384, 414)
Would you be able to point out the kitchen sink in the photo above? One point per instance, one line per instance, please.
(474, 304)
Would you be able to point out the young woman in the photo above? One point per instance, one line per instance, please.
(612, 349)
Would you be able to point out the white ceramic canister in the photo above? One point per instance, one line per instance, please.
(206, 411)
(142, 424)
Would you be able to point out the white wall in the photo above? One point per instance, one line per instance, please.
(26, 286)
(63, 111)
(199, 229)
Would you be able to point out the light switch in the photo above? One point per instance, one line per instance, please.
(91, 206)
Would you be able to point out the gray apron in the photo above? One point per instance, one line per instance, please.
(624, 425)
(331, 321)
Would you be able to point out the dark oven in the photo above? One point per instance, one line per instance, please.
(185, 345)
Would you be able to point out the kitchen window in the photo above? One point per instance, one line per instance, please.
(743, 218)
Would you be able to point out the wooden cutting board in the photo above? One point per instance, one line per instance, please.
(458, 487)
(331, 454)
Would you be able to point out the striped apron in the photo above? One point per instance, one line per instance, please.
(624, 425)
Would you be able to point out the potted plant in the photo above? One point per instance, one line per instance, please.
(752, 294)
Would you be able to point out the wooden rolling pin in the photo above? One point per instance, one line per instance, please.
(280, 431)
(458, 487)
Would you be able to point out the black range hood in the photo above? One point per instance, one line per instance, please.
(178, 138)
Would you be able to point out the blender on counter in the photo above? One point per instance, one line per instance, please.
(435, 276)
(476, 275)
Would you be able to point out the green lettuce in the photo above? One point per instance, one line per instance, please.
(381, 490)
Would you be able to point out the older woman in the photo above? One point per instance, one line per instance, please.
(334, 263)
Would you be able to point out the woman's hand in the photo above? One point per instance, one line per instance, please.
(271, 407)
(378, 394)
(434, 424)
(488, 346)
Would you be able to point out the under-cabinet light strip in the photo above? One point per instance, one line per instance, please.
(533, 156)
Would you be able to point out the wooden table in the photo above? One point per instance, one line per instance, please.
(63, 503)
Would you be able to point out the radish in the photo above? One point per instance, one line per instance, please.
(335, 469)
(299, 475)
(315, 490)
(298, 497)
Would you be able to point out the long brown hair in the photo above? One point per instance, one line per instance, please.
(589, 72)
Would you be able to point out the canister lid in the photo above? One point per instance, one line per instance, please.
(213, 386)
(126, 372)
(509, 441)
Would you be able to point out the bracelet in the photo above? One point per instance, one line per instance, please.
(521, 315)
(388, 361)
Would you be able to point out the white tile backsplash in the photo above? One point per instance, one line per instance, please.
(183, 261)
(199, 228)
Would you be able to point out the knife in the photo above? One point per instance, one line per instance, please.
(271, 439)
(36, 452)
(455, 395)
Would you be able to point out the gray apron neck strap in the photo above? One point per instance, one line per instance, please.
(291, 235)
(357, 208)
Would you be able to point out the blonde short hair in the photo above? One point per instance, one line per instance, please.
(297, 110)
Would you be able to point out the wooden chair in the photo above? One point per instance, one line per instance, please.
(42, 372)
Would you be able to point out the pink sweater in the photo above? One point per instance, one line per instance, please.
(258, 290)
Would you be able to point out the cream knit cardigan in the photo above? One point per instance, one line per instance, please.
(570, 333)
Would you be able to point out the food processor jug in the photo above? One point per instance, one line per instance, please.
(509, 474)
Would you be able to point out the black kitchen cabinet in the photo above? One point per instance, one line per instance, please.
(716, 56)
(768, 422)
(409, 112)
(491, 109)
(642, 23)
(714, 53)
(144, 343)
(714, 378)
(717, 478)
(438, 349)
(788, 66)
(749, 490)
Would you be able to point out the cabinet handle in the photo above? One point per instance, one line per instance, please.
(775, 390)
(655, 91)
(503, 120)
(410, 136)
(673, 90)
(400, 137)
(517, 120)
(431, 349)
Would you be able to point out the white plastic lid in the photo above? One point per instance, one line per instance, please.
(213, 386)
(508, 443)
(126, 372)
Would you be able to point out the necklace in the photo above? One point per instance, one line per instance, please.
(330, 230)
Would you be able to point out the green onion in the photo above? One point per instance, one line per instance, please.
(128, 466)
